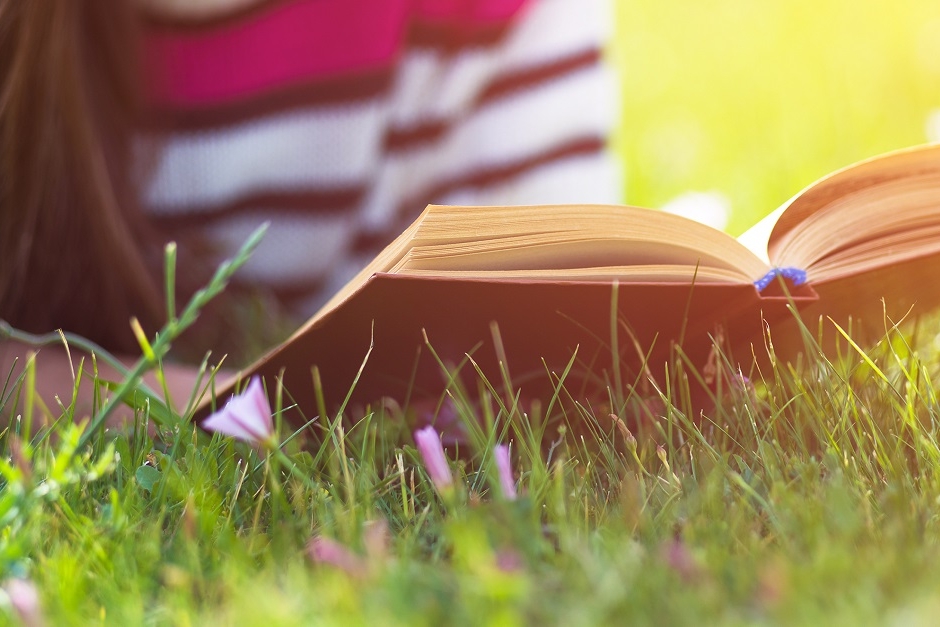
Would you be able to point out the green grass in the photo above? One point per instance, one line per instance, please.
(807, 494)
(808, 497)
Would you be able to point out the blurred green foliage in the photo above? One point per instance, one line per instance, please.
(758, 99)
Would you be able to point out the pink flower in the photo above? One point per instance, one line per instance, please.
(677, 556)
(504, 467)
(322, 550)
(375, 537)
(326, 551)
(509, 561)
(247, 416)
(444, 417)
(25, 601)
(432, 452)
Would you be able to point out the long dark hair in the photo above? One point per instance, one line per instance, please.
(73, 246)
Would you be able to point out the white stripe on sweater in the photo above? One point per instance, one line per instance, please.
(554, 29)
(435, 86)
(529, 123)
(323, 147)
(579, 179)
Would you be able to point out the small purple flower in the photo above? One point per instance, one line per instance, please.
(509, 561)
(677, 556)
(247, 416)
(432, 452)
(504, 467)
(326, 551)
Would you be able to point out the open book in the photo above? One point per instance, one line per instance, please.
(534, 292)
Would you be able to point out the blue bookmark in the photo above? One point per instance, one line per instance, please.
(795, 275)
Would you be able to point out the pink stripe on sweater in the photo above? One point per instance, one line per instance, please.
(286, 44)
(293, 42)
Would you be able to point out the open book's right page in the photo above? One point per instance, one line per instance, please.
(868, 238)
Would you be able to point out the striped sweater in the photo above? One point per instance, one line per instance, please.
(339, 120)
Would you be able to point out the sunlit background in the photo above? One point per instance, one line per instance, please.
(745, 102)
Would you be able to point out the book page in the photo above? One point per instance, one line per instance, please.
(857, 207)
(757, 238)
(565, 237)
(876, 213)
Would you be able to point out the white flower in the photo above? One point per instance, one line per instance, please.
(932, 126)
(711, 208)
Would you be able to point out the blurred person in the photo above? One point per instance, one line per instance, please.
(126, 124)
